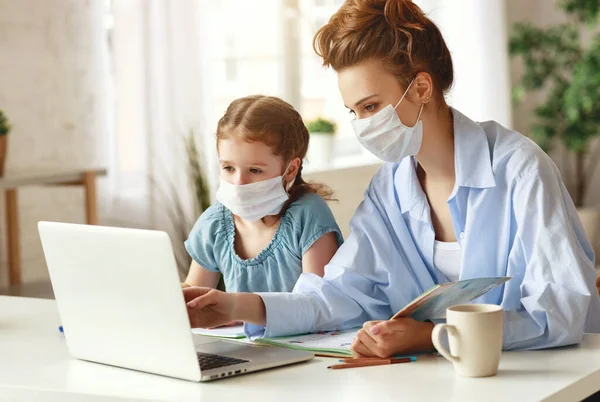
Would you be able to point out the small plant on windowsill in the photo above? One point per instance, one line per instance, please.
(565, 71)
(321, 126)
(5, 128)
(320, 150)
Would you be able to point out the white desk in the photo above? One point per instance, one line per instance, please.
(35, 365)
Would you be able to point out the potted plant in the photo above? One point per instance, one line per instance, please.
(173, 203)
(4, 130)
(322, 136)
(565, 71)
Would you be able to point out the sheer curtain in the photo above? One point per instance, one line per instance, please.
(157, 99)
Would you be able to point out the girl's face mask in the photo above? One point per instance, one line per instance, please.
(254, 201)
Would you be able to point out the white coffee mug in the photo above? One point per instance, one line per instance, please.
(475, 337)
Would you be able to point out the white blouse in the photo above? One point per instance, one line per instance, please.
(447, 258)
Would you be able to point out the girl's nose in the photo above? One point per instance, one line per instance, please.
(241, 179)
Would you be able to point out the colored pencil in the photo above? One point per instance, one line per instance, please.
(379, 362)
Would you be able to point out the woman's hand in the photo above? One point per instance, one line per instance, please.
(209, 308)
(392, 337)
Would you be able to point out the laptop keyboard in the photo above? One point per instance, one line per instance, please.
(208, 361)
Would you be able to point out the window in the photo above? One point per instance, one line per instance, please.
(266, 47)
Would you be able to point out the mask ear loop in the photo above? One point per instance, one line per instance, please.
(287, 187)
(420, 112)
(405, 92)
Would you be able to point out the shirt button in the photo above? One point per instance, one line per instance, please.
(462, 235)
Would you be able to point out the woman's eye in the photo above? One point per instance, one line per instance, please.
(228, 168)
(369, 108)
(255, 171)
(352, 112)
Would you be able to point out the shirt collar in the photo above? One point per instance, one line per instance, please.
(472, 162)
(472, 159)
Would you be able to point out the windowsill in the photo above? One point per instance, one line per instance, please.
(344, 162)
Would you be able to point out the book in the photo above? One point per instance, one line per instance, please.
(432, 304)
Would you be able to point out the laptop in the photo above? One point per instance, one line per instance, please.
(120, 303)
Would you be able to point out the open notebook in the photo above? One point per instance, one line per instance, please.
(430, 305)
(327, 343)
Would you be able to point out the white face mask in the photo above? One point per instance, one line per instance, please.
(253, 201)
(384, 135)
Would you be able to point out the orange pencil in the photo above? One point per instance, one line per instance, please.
(369, 359)
(380, 362)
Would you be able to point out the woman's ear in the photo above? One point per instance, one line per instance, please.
(423, 88)
(292, 170)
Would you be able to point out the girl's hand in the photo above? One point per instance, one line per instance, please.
(209, 308)
(392, 337)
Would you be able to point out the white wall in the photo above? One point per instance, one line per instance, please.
(52, 71)
(348, 193)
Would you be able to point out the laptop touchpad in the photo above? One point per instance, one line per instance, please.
(202, 340)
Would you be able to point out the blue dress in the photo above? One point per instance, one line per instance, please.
(278, 266)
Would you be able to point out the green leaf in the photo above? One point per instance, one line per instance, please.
(321, 126)
(197, 176)
(518, 93)
(5, 126)
(585, 11)
(543, 136)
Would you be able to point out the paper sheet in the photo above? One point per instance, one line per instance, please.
(234, 332)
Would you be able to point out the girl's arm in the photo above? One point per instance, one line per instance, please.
(319, 254)
(199, 276)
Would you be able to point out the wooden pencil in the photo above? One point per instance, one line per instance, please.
(380, 362)
(369, 359)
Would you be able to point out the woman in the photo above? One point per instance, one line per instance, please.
(456, 200)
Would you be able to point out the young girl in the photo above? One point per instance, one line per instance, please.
(269, 225)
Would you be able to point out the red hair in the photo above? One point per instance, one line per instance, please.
(396, 31)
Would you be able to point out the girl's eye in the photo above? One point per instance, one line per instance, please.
(255, 171)
(228, 168)
(352, 112)
(370, 108)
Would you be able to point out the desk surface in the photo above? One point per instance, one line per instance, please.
(34, 362)
(33, 177)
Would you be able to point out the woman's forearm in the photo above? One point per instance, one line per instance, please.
(250, 308)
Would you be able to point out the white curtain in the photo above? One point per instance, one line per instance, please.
(157, 93)
(157, 101)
